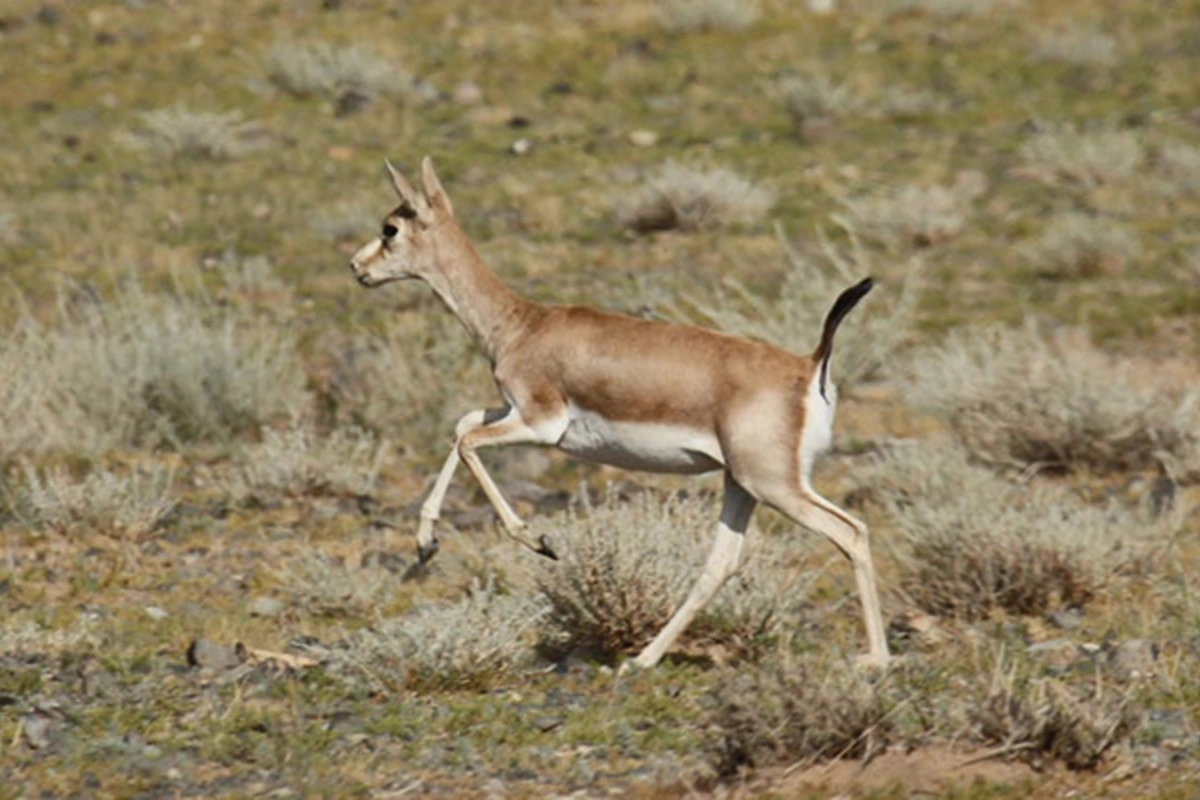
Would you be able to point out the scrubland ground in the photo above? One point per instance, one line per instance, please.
(213, 444)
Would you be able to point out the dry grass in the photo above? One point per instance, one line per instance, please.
(20, 635)
(1079, 46)
(1021, 397)
(1179, 166)
(475, 643)
(1061, 154)
(699, 15)
(327, 587)
(296, 462)
(145, 371)
(948, 8)
(793, 709)
(807, 97)
(919, 216)
(180, 132)
(687, 199)
(131, 504)
(1037, 719)
(322, 70)
(626, 567)
(866, 342)
(970, 542)
(1076, 245)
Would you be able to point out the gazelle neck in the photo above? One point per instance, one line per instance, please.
(491, 312)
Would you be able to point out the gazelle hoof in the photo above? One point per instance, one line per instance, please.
(427, 551)
(545, 548)
(872, 662)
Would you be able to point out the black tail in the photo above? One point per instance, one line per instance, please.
(846, 301)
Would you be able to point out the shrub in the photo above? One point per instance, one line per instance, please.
(969, 542)
(132, 504)
(296, 462)
(694, 15)
(21, 636)
(1089, 158)
(322, 70)
(143, 371)
(914, 215)
(178, 132)
(1076, 245)
(686, 199)
(792, 709)
(1179, 165)
(326, 587)
(808, 97)
(792, 319)
(947, 8)
(1077, 46)
(1017, 397)
(1041, 718)
(626, 567)
(474, 643)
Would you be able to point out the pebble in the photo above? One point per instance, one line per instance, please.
(210, 655)
(1133, 659)
(265, 607)
(643, 138)
(547, 724)
(467, 93)
(520, 147)
(1066, 619)
(156, 613)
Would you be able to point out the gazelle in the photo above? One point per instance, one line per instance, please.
(629, 392)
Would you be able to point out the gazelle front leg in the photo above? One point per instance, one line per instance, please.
(431, 509)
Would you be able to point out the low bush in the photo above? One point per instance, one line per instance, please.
(323, 70)
(296, 462)
(1075, 245)
(1061, 154)
(181, 132)
(697, 15)
(687, 199)
(130, 504)
(321, 585)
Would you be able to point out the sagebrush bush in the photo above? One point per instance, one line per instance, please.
(327, 587)
(792, 318)
(297, 462)
(474, 643)
(815, 96)
(968, 541)
(1088, 158)
(947, 8)
(625, 567)
(1179, 166)
(103, 501)
(23, 636)
(792, 709)
(1022, 396)
(695, 15)
(913, 215)
(687, 199)
(1076, 45)
(1075, 245)
(321, 69)
(179, 131)
(1037, 718)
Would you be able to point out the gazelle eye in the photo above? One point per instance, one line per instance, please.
(390, 230)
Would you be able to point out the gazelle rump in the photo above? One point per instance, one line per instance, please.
(632, 393)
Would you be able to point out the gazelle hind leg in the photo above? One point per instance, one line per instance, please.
(851, 537)
(736, 509)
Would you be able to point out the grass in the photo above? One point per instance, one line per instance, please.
(1075, 245)
(182, 307)
(131, 504)
(686, 199)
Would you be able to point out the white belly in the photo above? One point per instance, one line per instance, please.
(650, 447)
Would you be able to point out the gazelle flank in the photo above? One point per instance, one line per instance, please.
(632, 393)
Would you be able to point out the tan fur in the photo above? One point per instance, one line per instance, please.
(562, 367)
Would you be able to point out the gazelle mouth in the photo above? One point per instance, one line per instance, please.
(365, 280)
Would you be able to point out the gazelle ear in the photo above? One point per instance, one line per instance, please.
(408, 194)
(434, 193)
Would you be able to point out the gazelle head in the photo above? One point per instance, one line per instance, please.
(407, 243)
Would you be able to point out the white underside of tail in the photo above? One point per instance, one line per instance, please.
(817, 434)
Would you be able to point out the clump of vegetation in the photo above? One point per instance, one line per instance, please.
(181, 132)
(475, 643)
(22, 636)
(296, 462)
(131, 504)
(327, 587)
(1179, 165)
(971, 542)
(915, 215)
(814, 97)
(1076, 245)
(626, 566)
(145, 371)
(947, 8)
(321, 70)
(792, 709)
(866, 341)
(1075, 45)
(687, 199)
(696, 15)
(1087, 158)
(1019, 397)
(1036, 719)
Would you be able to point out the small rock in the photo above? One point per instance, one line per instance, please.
(546, 724)
(210, 655)
(1133, 659)
(156, 613)
(36, 728)
(265, 607)
(643, 138)
(1058, 654)
(467, 93)
(1066, 619)
(520, 147)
